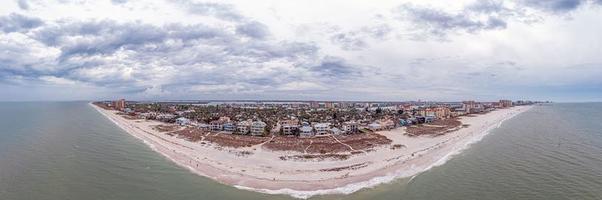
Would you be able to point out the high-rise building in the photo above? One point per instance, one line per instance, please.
(506, 103)
(119, 104)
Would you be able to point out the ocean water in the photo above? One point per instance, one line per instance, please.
(66, 150)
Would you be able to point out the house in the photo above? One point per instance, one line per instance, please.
(165, 117)
(442, 112)
(459, 112)
(257, 128)
(350, 127)
(336, 131)
(147, 115)
(182, 121)
(403, 122)
(204, 127)
(229, 127)
(322, 128)
(243, 127)
(306, 131)
(216, 125)
(420, 120)
(429, 119)
(374, 126)
(289, 127)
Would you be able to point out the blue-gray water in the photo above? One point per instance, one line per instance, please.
(59, 151)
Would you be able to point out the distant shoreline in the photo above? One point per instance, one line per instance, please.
(262, 170)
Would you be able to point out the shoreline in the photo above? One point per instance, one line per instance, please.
(304, 179)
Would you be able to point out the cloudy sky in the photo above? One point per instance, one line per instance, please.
(301, 50)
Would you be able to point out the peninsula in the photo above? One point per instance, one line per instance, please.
(308, 148)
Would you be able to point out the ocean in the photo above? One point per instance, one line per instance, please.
(67, 150)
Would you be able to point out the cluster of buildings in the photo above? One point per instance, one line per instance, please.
(308, 119)
(246, 127)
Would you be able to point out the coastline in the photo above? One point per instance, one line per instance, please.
(267, 174)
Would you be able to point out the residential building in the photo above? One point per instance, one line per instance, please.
(182, 121)
(257, 128)
(472, 107)
(350, 127)
(374, 126)
(165, 116)
(441, 112)
(229, 127)
(429, 119)
(505, 103)
(216, 125)
(321, 128)
(204, 127)
(243, 127)
(119, 104)
(403, 122)
(335, 131)
(147, 115)
(314, 104)
(329, 105)
(289, 127)
(306, 131)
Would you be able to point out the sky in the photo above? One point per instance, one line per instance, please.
(60, 50)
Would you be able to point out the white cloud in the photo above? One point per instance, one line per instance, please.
(58, 80)
(302, 86)
(390, 50)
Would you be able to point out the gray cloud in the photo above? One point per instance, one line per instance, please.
(559, 6)
(480, 15)
(16, 23)
(119, 1)
(253, 29)
(23, 4)
(358, 39)
(349, 41)
(556, 6)
(439, 23)
(487, 6)
(337, 68)
(152, 57)
(232, 56)
(221, 11)
(140, 58)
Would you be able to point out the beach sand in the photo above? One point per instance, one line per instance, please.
(263, 170)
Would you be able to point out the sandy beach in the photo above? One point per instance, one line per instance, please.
(262, 170)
